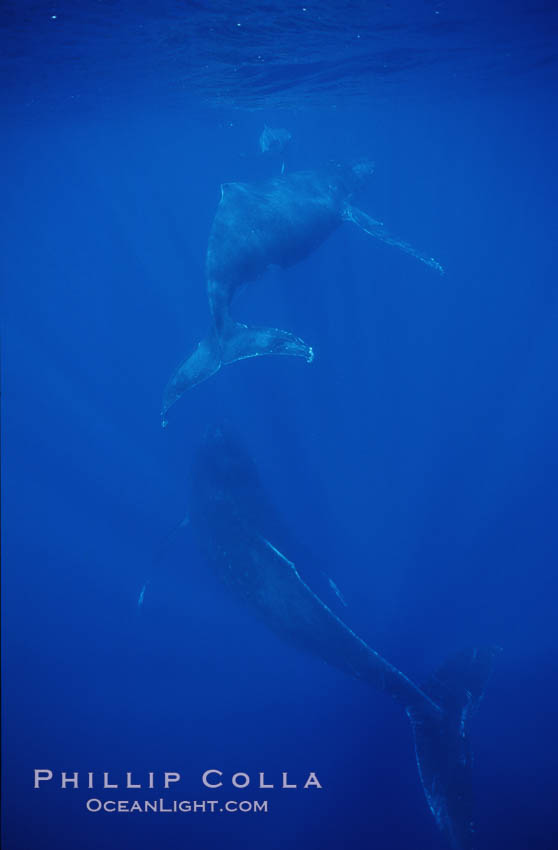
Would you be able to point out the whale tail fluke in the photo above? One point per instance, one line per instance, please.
(235, 341)
(240, 341)
(204, 361)
(442, 743)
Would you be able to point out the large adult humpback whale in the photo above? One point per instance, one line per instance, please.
(277, 222)
(227, 519)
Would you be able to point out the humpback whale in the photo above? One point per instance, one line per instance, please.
(274, 140)
(274, 223)
(232, 535)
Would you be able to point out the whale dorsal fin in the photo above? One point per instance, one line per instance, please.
(231, 189)
(336, 591)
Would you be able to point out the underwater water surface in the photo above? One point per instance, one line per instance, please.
(410, 470)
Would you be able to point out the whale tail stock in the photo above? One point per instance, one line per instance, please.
(442, 743)
(234, 341)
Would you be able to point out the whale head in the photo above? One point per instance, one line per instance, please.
(352, 175)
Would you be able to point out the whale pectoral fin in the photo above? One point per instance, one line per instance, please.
(204, 361)
(376, 229)
(240, 341)
(362, 219)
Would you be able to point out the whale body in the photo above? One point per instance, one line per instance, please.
(277, 222)
(274, 140)
(231, 530)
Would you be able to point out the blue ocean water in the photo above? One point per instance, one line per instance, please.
(414, 461)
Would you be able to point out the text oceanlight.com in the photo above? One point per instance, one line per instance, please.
(176, 806)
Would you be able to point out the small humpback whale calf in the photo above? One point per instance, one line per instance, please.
(231, 531)
(274, 140)
(277, 222)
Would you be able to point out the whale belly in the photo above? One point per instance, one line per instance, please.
(256, 228)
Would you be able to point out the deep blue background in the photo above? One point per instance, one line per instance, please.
(416, 458)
